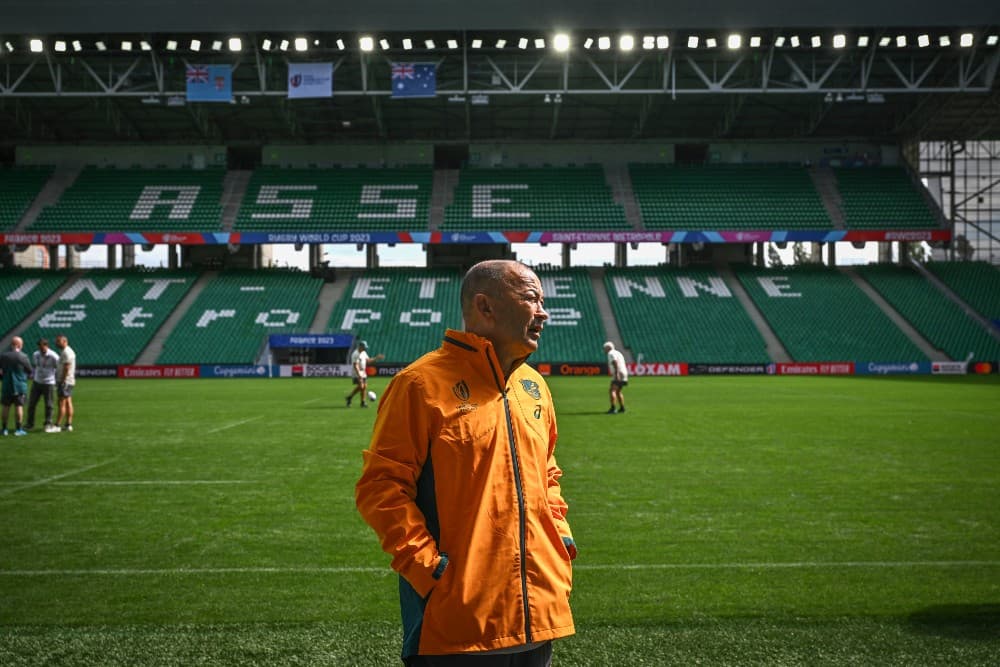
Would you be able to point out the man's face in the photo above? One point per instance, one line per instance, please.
(43, 347)
(520, 313)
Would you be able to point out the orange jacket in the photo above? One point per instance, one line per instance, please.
(461, 485)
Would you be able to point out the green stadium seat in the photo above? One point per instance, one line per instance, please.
(18, 188)
(882, 197)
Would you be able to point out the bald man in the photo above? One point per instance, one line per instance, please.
(14, 389)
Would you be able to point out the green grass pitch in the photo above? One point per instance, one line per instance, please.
(721, 521)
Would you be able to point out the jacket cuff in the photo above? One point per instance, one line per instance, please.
(570, 547)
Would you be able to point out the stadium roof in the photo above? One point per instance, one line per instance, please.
(911, 78)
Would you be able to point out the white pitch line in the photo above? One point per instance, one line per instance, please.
(153, 482)
(48, 480)
(234, 424)
(386, 570)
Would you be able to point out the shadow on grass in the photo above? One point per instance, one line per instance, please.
(958, 621)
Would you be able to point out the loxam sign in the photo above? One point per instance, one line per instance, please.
(657, 369)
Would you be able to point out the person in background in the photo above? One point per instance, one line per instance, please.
(359, 372)
(43, 384)
(14, 388)
(65, 382)
(619, 377)
(461, 485)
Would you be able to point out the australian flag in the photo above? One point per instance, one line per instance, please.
(414, 79)
(209, 83)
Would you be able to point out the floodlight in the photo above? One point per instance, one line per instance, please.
(648, 42)
(477, 43)
(126, 45)
(604, 43)
(710, 43)
(195, 45)
(367, 43)
(539, 42)
(522, 43)
(301, 44)
(965, 40)
(145, 46)
(944, 40)
(992, 40)
(101, 46)
(384, 43)
(36, 46)
(863, 41)
(839, 41)
(692, 41)
(452, 43)
(501, 43)
(885, 41)
(626, 42)
(235, 44)
(816, 41)
(60, 46)
(10, 47)
(755, 42)
(284, 45)
(590, 42)
(794, 41)
(923, 41)
(901, 41)
(779, 41)
(407, 43)
(662, 42)
(216, 45)
(340, 44)
(429, 43)
(734, 41)
(266, 44)
(561, 42)
(172, 44)
(77, 46)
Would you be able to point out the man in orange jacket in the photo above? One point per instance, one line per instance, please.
(461, 485)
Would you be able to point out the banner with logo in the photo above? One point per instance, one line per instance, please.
(310, 80)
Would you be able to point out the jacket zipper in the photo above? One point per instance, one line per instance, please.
(522, 523)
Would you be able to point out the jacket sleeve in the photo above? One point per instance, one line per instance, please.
(386, 492)
(556, 502)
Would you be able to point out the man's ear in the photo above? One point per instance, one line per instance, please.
(482, 305)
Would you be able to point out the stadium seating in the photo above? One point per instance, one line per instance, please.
(110, 316)
(978, 283)
(574, 332)
(18, 188)
(230, 320)
(819, 314)
(336, 199)
(682, 315)
(882, 197)
(568, 198)
(140, 200)
(939, 319)
(22, 291)
(402, 313)
(727, 197)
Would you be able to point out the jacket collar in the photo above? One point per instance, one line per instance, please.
(484, 357)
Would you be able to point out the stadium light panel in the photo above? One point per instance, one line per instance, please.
(923, 41)
(944, 40)
(195, 45)
(734, 41)
(501, 43)
(588, 43)
(452, 44)
(235, 44)
(839, 41)
(172, 44)
(755, 42)
(36, 46)
(816, 41)
(522, 43)
(779, 41)
(604, 43)
(965, 40)
(216, 45)
(539, 42)
(145, 46)
(561, 42)
(367, 43)
(648, 42)
(477, 43)
(101, 46)
(794, 41)
(662, 42)
(710, 43)
(626, 42)
(77, 46)
(863, 41)
(60, 46)
(284, 45)
(992, 40)
(692, 41)
(901, 41)
(885, 41)
(384, 43)
(126, 45)
(407, 44)
(429, 43)
(340, 44)
(301, 44)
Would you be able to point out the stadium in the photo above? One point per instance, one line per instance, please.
(785, 216)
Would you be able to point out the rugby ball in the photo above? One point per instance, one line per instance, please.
(372, 396)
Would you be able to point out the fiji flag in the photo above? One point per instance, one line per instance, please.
(209, 83)
(414, 79)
